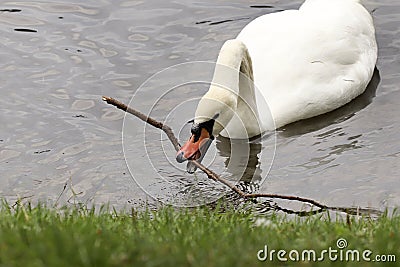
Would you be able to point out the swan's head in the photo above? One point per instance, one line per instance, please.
(214, 111)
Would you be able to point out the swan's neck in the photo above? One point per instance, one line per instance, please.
(234, 73)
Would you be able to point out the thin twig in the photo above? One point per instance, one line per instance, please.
(301, 199)
(62, 192)
(212, 175)
(145, 118)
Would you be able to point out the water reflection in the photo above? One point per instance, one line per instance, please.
(241, 158)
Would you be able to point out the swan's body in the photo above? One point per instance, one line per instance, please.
(304, 63)
(313, 60)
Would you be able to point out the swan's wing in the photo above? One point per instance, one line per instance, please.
(310, 61)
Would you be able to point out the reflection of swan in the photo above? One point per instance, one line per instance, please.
(241, 158)
(304, 62)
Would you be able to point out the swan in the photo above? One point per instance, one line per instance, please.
(284, 67)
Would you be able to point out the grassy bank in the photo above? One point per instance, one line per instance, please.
(201, 237)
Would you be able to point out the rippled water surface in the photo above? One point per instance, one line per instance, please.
(59, 57)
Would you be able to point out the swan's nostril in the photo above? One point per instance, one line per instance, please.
(180, 157)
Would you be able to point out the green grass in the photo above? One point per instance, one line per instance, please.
(42, 236)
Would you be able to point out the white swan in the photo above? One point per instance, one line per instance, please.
(303, 63)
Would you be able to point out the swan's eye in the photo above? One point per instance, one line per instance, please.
(207, 125)
(195, 129)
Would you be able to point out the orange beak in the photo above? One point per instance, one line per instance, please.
(194, 149)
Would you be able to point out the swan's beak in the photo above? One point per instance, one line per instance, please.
(194, 149)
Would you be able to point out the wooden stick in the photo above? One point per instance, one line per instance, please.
(210, 174)
(301, 199)
(145, 118)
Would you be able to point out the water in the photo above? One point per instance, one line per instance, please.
(59, 57)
